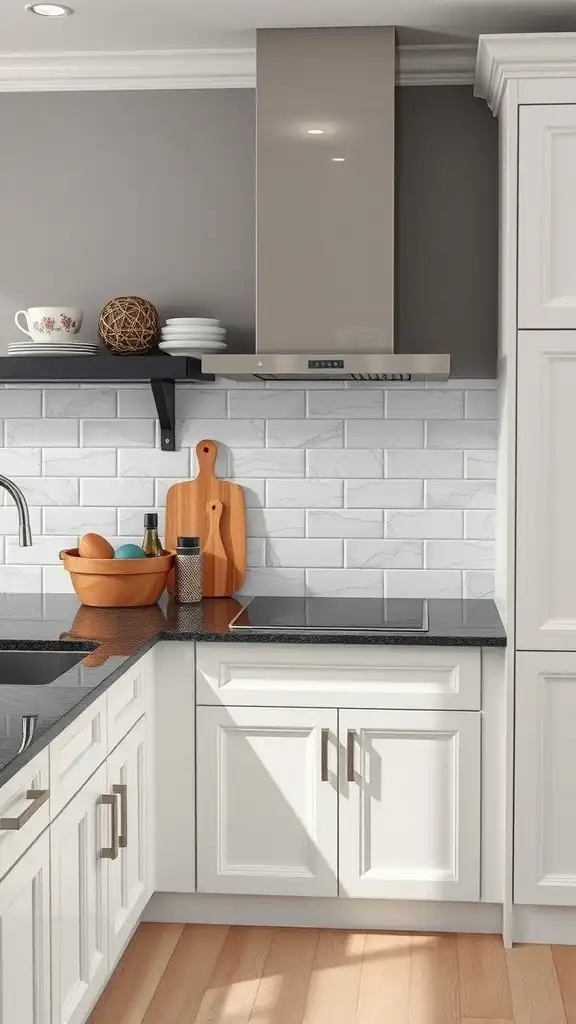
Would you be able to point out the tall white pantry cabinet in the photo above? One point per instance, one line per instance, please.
(530, 83)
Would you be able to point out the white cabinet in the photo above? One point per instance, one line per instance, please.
(410, 805)
(130, 875)
(545, 797)
(547, 217)
(546, 491)
(25, 938)
(79, 903)
(267, 801)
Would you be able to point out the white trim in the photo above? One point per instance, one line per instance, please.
(556, 925)
(305, 912)
(505, 57)
(198, 69)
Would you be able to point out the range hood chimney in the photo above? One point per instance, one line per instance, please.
(325, 212)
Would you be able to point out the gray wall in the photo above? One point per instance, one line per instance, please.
(152, 193)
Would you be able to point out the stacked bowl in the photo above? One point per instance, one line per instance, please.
(192, 336)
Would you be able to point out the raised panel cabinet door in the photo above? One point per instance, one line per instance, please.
(130, 875)
(409, 825)
(25, 938)
(546, 491)
(547, 217)
(79, 902)
(267, 801)
(545, 779)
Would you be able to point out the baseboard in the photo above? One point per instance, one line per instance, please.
(556, 925)
(299, 912)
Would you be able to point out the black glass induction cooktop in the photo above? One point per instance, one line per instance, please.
(340, 614)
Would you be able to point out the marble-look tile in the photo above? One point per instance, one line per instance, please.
(423, 583)
(79, 520)
(232, 433)
(423, 524)
(44, 550)
(127, 491)
(153, 462)
(347, 404)
(80, 402)
(78, 462)
(267, 404)
(480, 464)
(311, 493)
(362, 522)
(305, 553)
(344, 582)
(42, 433)
(384, 494)
(384, 554)
(384, 434)
(470, 434)
(478, 584)
(50, 490)
(161, 486)
(22, 402)
(273, 582)
(21, 461)
(254, 491)
(459, 554)
(267, 462)
(479, 525)
(275, 522)
(192, 403)
(9, 525)
(464, 384)
(55, 580)
(131, 521)
(423, 463)
(425, 405)
(137, 403)
(481, 405)
(20, 579)
(460, 493)
(255, 552)
(304, 433)
(120, 433)
(347, 463)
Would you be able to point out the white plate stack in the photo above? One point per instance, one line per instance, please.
(191, 336)
(53, 348)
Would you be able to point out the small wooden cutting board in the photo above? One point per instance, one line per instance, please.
(187, 515)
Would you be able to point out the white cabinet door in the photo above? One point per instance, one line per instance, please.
(546, 491)
(79, 902)
(547, 217)
(409, 822)
(267, 801)
(545, 798)
(25, 938)
(130, 882)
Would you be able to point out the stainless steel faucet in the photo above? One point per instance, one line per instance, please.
(22, 506)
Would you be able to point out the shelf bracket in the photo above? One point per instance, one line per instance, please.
(164, 400)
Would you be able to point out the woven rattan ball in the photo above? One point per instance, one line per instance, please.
(129, 325)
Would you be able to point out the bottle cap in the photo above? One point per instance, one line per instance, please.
(150, 520)
(188, 542)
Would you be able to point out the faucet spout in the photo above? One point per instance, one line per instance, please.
(25, 532)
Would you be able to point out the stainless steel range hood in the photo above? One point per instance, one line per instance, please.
(325, 212)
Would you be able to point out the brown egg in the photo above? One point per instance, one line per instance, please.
(92, 545)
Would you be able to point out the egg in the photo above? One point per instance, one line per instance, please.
(92, 545)
(130, 551)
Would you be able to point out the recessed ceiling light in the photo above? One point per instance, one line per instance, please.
(49, 10)
(315, 131)
(338, 159)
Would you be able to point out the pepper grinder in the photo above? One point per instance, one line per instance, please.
(188, 571)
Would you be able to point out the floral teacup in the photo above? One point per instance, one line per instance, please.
(50, 323)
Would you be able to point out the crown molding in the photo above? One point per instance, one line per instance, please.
(199, 69)
(503, 58)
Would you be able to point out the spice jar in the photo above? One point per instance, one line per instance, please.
(188, 571)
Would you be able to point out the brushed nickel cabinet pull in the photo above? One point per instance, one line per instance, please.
(122, 792)
(350, 774)
(38, 797)
(111, 852)
(324, 756)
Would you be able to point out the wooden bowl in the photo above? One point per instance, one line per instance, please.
(117, 583)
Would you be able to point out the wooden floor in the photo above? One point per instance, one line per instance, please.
(212, 974)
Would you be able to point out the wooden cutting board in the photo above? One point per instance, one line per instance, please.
(188, 515)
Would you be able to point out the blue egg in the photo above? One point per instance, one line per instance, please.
(129, 551)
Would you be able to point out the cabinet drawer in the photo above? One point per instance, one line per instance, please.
(317, 675)
(76, 753)
(14, 802)
(126, 702)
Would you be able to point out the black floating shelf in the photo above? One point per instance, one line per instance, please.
(162, 371)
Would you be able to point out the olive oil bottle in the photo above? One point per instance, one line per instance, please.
(151, 541)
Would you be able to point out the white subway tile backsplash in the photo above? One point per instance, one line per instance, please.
(131, 521)
(120, 433)
(478, 584)
(9, 520)
(44, 550)
(127, 491)
(136, 403)
(232, 433)
(267, 404)
(21, 461)
(21, 579)
(79, 520)
(304, 433)
(384, 494)
(160, 488)
(273, 582)
(459, 554)
(306, 553)
(41, 433)
(255, 552)
(345, 582)
(431, 405)
(362, 522)
(345, 463)
(275, 522)
(480, 464)
(49, 491)
(384, 554)
(470, 434)
(423, 523)
(267, 462)
(424, 464)
(464, 384)
(78, 462)
(460, 493)
(384, 434)
(312, 493)
(479, 525)
(21, 402)
(200, 404)
(80, 402)
(254, 491)
(423, 583)
(481, 405)
(363, 404)
(55, 580)
(153, 462)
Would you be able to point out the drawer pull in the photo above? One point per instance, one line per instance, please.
(324, 756)
(122, 792)
(350, 774)
(111, 852)
(38, 797)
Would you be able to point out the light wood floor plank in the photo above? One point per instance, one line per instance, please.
(485, 1020)
(565, 964)
(187, 975)
(232, 989)
(385, 980)
(131, 988)
(534, 986)
(434, 994)
(484, 989)
(335, 979)
(283, 989)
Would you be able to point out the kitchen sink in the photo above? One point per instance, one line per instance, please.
(36, 668)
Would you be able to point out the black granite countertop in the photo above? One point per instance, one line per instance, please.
(113, 639)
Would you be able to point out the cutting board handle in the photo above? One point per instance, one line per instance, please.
(206, 452)
(215, 558)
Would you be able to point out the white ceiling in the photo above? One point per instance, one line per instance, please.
(188, 24)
